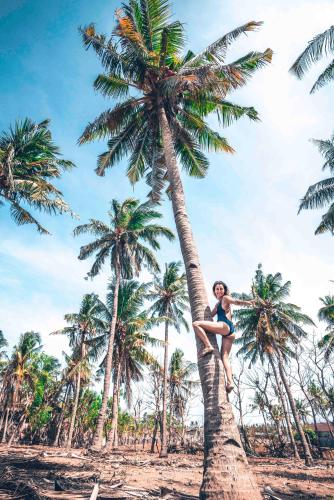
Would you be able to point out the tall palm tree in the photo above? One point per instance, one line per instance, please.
(29, 162)
(321, 193)
(18, 372)
(164, 121)
(326, 314)
(84, 326)
(320, 46)
(268, 330)
(170, 301)
(132, 336)
(123, 243)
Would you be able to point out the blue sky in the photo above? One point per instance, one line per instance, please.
(243, 213)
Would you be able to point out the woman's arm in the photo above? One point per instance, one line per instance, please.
(238, 302)
(214, 311)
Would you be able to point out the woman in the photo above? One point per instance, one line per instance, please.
(224, 327)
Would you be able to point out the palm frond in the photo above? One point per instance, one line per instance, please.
(319, 46)
(326, 76)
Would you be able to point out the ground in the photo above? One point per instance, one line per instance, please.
(35, 472)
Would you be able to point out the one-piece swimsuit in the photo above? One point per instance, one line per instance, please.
(221, 316)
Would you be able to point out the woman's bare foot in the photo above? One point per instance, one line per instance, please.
(205, 351)
(229, 388)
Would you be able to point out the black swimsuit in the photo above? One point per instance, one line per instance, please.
(221, 316)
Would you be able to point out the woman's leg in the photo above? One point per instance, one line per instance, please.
(200, 333)
(225, 351)
(200, 328)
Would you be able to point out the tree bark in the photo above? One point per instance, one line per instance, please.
(3, 440)
(164, 451)
(154, 435)
(226, 471)
(113, 434)
(306, 448)
(285, 411)
(98, 436)
(74, 411)
(61, 420)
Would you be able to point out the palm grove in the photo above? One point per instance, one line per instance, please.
(161, 100)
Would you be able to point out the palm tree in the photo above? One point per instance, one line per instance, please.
(123, 244)
(269, 328)
(171, 300)
(321, 45)
(131, 338)
(19, 371)
(326, 314)
(84, 326)
(29, 162)
(164, 121)
(3, 344)
(181, 385)
(321, 193)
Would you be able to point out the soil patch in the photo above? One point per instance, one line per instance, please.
(37, 472)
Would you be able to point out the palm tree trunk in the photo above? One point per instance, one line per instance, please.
(154, 435)
(74, 411)
(286, 415)
(3, 440)
(226, 471)
(164, 451)
(112, 438)
(306, 448)
(61, 420)
(98, 436)
(17, 430)
(266, 426)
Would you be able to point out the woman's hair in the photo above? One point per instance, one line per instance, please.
(227, 291)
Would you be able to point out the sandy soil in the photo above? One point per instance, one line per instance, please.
(33, 472)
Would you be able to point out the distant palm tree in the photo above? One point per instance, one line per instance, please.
(321, 194)
(85, 326)
(269, 328)
(181, 385)
(29, 162)
(19, 371)
(3, 344)
(123, 244)
(320, 46)
(163, 100)
(132, 337)
(326, 314)
(170, 301)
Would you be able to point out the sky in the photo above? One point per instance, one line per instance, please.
(243, 213)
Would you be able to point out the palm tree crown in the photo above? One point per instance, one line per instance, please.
(144, 55)
(20, 368)
(322, 193)
(29, 162)
(124, 240)
(132, 332)
(181, 382)
(321, 45)
(170, 296)
(326, 314)
(272, 323)
(85, 324)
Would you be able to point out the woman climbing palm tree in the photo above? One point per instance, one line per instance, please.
(223, 327)
(164, 97)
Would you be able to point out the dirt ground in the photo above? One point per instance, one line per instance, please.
(36, 472)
